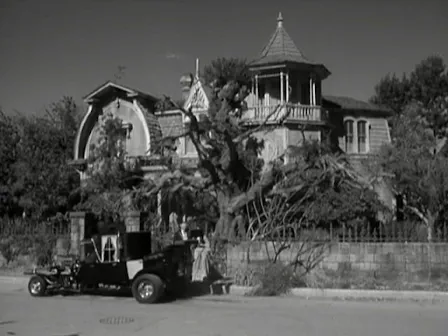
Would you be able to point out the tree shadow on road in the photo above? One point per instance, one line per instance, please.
(191, 291)
(7, 322)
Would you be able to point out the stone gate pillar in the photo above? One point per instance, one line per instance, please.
(133, 221)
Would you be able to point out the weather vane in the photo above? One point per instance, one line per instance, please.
(120, 72)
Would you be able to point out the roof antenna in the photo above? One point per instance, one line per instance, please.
(280, 20)
(197, 68)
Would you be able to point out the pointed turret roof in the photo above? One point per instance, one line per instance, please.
(281, 49)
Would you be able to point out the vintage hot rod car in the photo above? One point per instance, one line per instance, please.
(122, 260)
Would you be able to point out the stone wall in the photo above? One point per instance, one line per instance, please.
(378, 257)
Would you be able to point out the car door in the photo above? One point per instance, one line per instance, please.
(89, 273)
(112, 273)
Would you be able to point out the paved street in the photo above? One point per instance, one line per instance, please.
(23, 315)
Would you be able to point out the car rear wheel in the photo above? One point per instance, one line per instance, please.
(37, 286)
(148, 288)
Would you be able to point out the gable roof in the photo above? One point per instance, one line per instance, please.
(110, 85)
(282, 49)
(153, 126)
(347, 103)
(199, 97)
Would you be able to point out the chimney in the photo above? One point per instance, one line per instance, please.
(185, 82)
(197, 68)
(280, 20)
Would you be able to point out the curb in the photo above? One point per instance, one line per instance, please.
(15, 280)
(353, 294)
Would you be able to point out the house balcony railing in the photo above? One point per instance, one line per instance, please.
(289, 113)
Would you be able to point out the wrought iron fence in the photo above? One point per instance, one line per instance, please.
(410, 232)
(390, 233)
(393, 232)
(36, 239)
(13, 227)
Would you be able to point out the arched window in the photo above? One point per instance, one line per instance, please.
(349, 135)
(362, 136)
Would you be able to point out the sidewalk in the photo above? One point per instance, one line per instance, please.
(15, 283)
(356, 294)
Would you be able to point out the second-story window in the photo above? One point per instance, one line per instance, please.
(362, 136)
(189, 146)
(348, 125)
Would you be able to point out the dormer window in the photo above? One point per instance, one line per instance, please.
(125, 134)
(127, 128)
(356, 136)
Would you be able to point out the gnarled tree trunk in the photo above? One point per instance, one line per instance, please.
(223, 226)
(430, 222)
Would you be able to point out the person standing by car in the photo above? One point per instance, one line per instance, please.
(180, 236)
(202, 260)
(200, 251)
(182, 232)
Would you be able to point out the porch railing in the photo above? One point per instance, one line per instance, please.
(289, 112)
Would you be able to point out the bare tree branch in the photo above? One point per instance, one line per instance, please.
(418, 213)
(263, 126)
(194, 133)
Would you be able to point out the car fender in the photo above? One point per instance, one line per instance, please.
(134, 267)
(149, 271)
(137, 267)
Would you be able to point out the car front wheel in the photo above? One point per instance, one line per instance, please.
(37, 286)
(148, 288)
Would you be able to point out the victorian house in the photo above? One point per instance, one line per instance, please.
(282, 76)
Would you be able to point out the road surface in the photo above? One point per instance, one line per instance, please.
(23, 315)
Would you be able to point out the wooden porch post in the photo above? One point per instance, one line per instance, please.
(281, 88)
(256, 92)
(287, 87)
(253, 93)
(311, 90)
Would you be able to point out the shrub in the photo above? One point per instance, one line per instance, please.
(43, 247)
(9, 249)
(274, 279)
(248, 274)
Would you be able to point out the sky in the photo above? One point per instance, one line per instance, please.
(52, 48)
